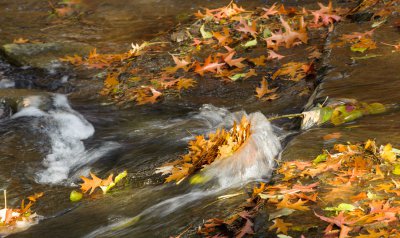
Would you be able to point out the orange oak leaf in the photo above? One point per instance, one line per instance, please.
(259, 61)
(299, 205)
(280, 226)
(245, 28)
(261, 91)
(208, 66)
(223, 39)
(143, 98)
(180, 64)
(90, 184)
(234, 62)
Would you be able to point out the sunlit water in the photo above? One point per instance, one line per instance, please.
(51, 141)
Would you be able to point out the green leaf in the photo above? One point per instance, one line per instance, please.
(283, 236)
(237, 76)
(116, 180)
(75, 196)
(205, 34)
(120, 176)
(345, 207)
(376, 108)
(267, 33)
(396, 170)
(325, 115)
(320, 158)
(250, 43)
(358, 49)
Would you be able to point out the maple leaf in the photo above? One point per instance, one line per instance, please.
(261, 91)
(234, 62)
(373, 234)
(208, 66)
(245, 28)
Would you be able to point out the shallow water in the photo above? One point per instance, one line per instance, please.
(40, 153)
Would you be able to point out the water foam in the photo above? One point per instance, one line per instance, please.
(66, 130)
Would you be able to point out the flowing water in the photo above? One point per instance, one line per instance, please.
(52, 140)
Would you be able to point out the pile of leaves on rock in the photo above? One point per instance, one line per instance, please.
(204, 151)
(351, 191)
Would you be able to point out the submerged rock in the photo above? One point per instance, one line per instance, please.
(42, 55)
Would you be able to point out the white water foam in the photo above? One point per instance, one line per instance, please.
(66, 130)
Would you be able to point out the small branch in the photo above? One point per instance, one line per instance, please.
(290, 116)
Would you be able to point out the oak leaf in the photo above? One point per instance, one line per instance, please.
(280, 226)
(261, 91)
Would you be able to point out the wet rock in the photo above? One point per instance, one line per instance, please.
(5, 109)
(42, 55)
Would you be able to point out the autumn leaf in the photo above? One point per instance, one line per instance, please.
(111, 81)
(263, 90)
(295, 70)
(269, 11)
(299, 205)
(208, 66)
(143, 97)
(259, 61)
(223, 39)
(331, 136)
(35, 196)
(185, 83)
(280, 226)
(179, 64)
(90, 184)
(245, 28)
(234, 62)
(20, 41)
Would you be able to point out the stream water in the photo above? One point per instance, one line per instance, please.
(52, 140)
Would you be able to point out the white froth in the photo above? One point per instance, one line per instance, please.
(66, 129)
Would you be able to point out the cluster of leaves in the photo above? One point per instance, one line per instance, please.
(229, 31)
(13, 219)
(90, 185)
(354, 188)
(204, 151)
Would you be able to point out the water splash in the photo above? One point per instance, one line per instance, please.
(66, 130)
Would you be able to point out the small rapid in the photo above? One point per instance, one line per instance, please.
(254, 161)
(66, 130)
